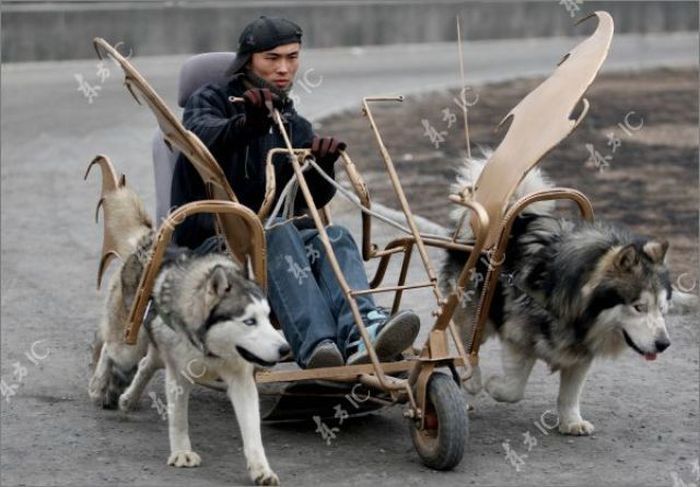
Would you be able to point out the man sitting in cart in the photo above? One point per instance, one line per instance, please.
(302, 289)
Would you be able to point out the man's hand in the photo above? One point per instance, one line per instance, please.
(326, 150)
(259, 103)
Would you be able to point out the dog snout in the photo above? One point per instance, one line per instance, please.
(284, 350)
(662, 344)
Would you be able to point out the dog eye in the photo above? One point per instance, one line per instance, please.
(250, 322)
(641, 308)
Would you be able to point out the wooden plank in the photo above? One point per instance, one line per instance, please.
(343, 373)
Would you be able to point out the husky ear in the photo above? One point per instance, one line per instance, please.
(626, 258)
(218, 282)
(656, 250)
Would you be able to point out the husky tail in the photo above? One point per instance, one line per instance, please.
(468, 172)
(128, 236)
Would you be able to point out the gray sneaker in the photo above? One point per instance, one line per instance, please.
(389, 335)
(326, 354)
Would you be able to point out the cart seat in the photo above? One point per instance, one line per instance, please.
(196, 72)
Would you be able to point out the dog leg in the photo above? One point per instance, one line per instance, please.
(147, 367)
(473, 386)
(97, 345)
(244, 397)
(100, 377)
(516, 367)
(570, 387)
(178, 392)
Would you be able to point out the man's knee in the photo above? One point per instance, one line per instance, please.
(281, 233)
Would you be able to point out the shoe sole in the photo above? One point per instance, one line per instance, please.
(394, 339)
(328, 356)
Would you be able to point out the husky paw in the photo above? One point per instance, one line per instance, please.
(264, 476)
(576, 428)
(473, 386)
(499, 389)
(184, 459)
(96, 390)
(126, 403)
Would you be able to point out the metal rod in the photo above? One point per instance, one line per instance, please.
(342, 373)
(393, 176)
(444, 315)
(461, 91)
(390, 288)
(330, 254)
(448, 305)
(408, 251)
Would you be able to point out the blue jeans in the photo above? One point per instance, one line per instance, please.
(303, 291)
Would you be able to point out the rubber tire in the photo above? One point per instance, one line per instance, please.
(442, 448)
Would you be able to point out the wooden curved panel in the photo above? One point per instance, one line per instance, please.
(540, 121)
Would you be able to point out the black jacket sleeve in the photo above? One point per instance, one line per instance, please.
(220, 125)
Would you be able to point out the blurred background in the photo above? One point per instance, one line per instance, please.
(53, 30)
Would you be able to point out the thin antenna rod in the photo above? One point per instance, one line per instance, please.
(461, 91)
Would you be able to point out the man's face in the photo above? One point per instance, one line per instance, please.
(277, 66)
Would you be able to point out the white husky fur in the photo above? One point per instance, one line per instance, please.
(211, 323)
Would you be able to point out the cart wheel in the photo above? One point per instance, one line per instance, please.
(441, 443)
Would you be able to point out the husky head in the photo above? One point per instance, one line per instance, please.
(222, 312)
(631, 289)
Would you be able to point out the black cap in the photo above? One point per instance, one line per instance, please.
(261, 35)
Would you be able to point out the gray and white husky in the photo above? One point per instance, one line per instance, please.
(568, 293)
(208, 322)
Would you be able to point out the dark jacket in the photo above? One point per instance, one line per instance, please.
(241, 152)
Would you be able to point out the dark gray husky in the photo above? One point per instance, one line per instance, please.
(568, 292)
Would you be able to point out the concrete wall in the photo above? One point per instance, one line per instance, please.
(63, 29)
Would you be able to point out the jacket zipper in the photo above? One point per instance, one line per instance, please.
(247, 147)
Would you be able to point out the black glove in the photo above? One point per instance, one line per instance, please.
(259, 103)
(326, 150)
